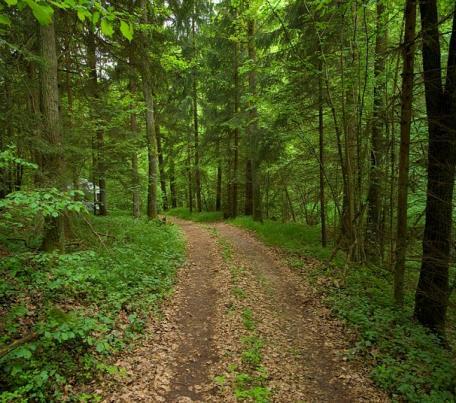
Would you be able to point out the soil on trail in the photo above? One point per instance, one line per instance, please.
(200, 338)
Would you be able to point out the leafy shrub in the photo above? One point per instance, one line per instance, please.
(81, 307)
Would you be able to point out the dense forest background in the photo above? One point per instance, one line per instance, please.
(337, 117)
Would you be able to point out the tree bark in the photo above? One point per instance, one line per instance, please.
(172, 181)
(377, 139)
(52, 168)
(135, 185)
(161, 166)
(199, 206)
(431, 300)
(406, 118)
(324, 237)
(252, 174)
(234, 185)
(100, 169)
(147, 84)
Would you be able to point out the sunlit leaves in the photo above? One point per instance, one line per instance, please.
(41, 11)
(106, 27)
(95, 12)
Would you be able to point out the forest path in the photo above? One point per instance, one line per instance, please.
(241, 321)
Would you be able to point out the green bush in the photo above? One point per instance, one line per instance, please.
(81, 307)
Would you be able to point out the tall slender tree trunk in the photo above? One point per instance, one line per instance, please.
(406, 119)
(189, 176)
(172, 180)
(235, 180)
(199, 206)
(252, 168)
(161, 165)
(324, 237)
(100, 168)
(52, 168)
(152, 153)
(218, 190)
(135, 185)
(374, 197)
(432, 293)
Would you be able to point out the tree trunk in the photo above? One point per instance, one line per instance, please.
(172, 181)
(189, 177)
(406, 117)
(321, 155)
(432, 293)
(135, 185)
(161, 166)
(218, 193)
(234, 187)
(99, 143)
(377, 139)
(52, 168)
(252, 177)
(152, 154)
(199, 206)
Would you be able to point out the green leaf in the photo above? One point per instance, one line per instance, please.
(95, 17)
(126, 30)
(4, 20)
(106, 27)
(42, 12)
(81, 15)
(11, 2)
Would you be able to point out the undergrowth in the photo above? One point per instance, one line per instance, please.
(406, 360)
(71, 312)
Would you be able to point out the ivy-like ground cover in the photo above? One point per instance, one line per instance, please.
(78, 309)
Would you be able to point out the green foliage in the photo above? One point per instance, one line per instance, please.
(82, 306)
(205, 216)
(293, 237)
(43, 11)
(407, 360)
(9, 156)
(44, 202)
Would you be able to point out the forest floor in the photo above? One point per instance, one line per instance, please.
(241, 325)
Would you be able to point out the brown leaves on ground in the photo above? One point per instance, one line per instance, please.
(199, 337)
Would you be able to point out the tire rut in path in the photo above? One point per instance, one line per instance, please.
(303, 346)
(196, 316)
(173, 363)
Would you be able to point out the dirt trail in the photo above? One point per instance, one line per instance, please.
(202, 333)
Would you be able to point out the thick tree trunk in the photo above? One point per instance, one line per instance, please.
(377, 140)
(433, 286)
(406, 118)
(100, 169)
(52, 168)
